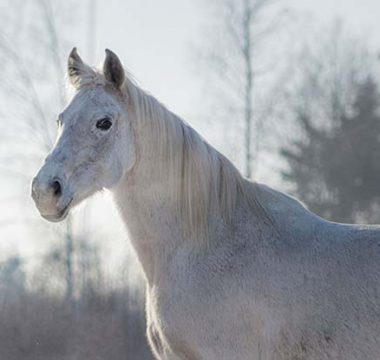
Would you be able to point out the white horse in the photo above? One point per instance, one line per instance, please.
(234, 269)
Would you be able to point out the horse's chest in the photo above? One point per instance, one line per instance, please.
(195, 323)
(171, 326)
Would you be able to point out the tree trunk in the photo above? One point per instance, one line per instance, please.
(247, 53)
(69, 248)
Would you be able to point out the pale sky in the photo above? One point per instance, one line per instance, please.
(156, 41)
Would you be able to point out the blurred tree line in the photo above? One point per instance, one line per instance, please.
(319, 114)
(333, 165)
(336, 172)
(102, 321)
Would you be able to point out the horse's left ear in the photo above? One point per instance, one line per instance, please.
(113, 69)
(76, 68)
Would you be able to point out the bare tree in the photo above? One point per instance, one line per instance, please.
(237, 56)
(33, 96)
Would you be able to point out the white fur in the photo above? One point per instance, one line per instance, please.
(234, 270)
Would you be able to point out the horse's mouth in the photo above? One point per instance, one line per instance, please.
(60, 215)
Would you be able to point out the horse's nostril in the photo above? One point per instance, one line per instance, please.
(57, 189)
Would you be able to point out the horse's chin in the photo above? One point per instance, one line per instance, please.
(60, 215)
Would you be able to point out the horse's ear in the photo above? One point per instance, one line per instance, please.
(113, 69)
(76, 68)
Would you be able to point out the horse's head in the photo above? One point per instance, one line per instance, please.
(95, 143)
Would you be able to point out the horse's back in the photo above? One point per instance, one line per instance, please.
(322, 279)
(296, 287)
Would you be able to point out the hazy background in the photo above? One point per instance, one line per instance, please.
(308, 87)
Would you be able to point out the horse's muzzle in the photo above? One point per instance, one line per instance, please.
(48, 196)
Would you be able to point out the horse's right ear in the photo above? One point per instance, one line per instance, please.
(76, 68)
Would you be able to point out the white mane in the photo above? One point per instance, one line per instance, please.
(204, 183)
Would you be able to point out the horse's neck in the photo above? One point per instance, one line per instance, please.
(150, 217)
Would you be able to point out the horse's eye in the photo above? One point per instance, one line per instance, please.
(104, 124)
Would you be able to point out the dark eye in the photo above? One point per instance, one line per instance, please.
(104, 124)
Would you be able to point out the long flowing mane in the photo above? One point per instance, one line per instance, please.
(206, 184)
